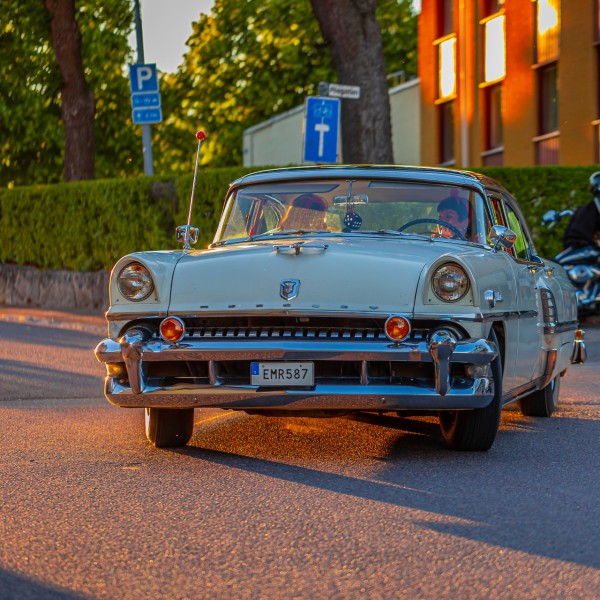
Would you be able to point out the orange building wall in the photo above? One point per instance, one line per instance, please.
(428, 82)
(577, 81)
(518, 93)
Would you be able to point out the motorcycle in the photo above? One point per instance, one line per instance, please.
(581, 264)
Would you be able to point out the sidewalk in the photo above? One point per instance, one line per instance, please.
(54, 318)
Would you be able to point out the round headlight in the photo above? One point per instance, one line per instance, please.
(450, 283)
(135, 282)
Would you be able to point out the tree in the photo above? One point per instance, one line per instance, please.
(77, 99)
(249, 61)
(32, 139)
(351, 31)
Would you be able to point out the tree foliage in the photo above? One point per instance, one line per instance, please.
(31, 128)
(249, 61)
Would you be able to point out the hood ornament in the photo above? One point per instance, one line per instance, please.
(288, 289)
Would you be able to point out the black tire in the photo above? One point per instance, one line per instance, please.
(541, 403)
(169, 427)
(475, 429)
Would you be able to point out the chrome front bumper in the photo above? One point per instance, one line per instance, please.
(135, 389)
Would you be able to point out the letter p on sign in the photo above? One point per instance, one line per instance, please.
(143, 78)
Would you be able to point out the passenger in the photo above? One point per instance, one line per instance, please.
(454, 211)
(307, 211)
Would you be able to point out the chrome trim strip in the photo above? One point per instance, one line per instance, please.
(476, 393)
(287, 312)
(128, 316)
(509, 315)
(521, 391)
(560, 327)
(470, 351)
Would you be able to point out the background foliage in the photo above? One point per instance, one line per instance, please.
(89, 225)
(31, 134)
(247, 62)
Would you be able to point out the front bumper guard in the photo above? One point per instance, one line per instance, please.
(441, 349)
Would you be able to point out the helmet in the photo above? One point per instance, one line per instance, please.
(595, 183)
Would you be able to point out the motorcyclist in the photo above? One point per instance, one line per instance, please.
(584, 228)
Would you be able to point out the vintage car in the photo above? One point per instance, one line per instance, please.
(335, 289)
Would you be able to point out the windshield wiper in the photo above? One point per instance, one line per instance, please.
(392, 232)
(272, 234)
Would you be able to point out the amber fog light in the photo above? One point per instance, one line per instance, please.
(397, 328)
(172, 329)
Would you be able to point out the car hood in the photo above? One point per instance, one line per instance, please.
(334, 274)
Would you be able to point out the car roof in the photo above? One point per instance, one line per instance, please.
(401, 172)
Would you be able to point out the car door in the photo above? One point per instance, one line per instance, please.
(523, 320)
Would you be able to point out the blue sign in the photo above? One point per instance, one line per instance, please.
(149, 100)
(145, 116)
(145, 97)
(322, 130)
(143, 78)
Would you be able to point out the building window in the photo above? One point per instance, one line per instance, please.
(447, 69)
(547, 18)
(547, 142)
(445, 23)
(493, 130)
(494, 68)
(446, 133)
(548, 99)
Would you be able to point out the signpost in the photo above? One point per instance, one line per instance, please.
(145, 97)
(321, 136)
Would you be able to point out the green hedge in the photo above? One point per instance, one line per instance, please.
(88, 225)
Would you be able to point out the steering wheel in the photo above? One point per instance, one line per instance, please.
(454, 230)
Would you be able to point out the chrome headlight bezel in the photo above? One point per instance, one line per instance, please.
(135, 282)
(450, 282)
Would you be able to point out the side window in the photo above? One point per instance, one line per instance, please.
(521, 247)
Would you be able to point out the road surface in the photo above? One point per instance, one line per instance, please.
(371, 507)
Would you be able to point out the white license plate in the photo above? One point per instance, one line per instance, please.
(282, 373)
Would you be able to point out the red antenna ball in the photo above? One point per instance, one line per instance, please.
(200, 136)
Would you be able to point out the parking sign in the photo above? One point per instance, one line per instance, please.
(322, 120)
(145, 97)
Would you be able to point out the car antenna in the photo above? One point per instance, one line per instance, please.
(200, 136)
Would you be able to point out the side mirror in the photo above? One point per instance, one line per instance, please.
(187, 235)
(502, 236)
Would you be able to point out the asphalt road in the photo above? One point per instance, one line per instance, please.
(260, 507)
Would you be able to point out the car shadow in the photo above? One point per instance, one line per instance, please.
(50, 336)
(19, 383)
(18, 586)
(517, 496)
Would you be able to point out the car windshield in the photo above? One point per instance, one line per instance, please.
(278, 209)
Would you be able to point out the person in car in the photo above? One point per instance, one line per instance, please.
(307, 211)
(454, 211)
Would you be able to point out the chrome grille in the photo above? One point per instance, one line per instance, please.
(297, 332)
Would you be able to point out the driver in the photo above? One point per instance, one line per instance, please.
(454, 211)
(307, 211)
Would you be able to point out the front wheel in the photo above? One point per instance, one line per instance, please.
(541, 403)
(475, 429)
(169, 427)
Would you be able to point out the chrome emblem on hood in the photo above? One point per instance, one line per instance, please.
(288, 288)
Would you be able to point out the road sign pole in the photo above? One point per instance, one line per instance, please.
(146, 131)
